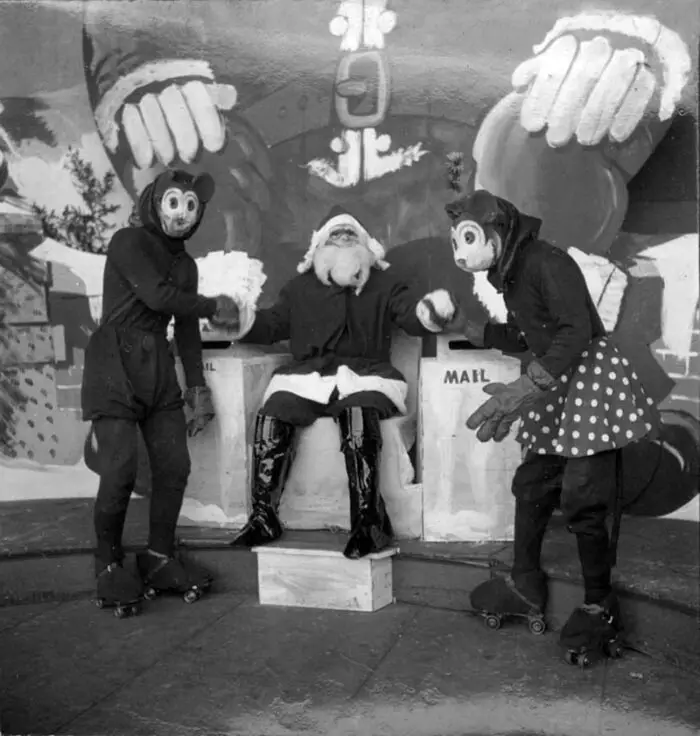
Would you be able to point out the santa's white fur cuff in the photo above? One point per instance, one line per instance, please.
(442, 304)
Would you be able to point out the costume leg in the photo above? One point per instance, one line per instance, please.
(588, 490)
(536, 487)
(117, 463)
(165, 435)
(116, 449)
(361, 443)
(272, 449)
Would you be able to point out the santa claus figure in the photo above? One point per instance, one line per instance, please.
(338, 315)
(579, 402)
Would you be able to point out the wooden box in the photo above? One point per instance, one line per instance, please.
(324, 578)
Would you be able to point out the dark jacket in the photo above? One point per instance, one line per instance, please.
(148, 279)
(550, 310)
(329, 326)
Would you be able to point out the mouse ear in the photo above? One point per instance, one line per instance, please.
(455, 209)
(204, 187)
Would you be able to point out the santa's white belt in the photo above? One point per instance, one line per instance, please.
(318, 388)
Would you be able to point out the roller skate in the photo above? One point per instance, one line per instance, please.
(118, 589)
(498, 599)
(163, 574)
(592, 633)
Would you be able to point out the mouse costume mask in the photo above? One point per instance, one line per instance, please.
(486, 230)
(342, 252)
(174, 203)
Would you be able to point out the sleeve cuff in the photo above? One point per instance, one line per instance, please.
(153, 72)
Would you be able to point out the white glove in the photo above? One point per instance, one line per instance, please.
(598, 87)
(436, 310)
(169, 124)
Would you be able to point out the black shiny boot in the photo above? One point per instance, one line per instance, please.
(272, 449)
(361, 443)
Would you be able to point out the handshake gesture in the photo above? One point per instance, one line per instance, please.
(228, 314)
(439, 311)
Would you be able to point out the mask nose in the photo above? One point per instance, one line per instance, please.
(461, 263)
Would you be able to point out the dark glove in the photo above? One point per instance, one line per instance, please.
(227, 315)
(199, 410)
(495, 417)
(471, 329)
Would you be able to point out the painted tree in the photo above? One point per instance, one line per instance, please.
(20, 230)
(86, 227)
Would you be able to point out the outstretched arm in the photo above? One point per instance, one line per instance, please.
(273, 324)
(404, 309)
(187, 336)
(129, 253)
(507, 338)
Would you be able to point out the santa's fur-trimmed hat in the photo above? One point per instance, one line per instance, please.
(337, 217)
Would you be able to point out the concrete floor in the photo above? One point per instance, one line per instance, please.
(229, 666)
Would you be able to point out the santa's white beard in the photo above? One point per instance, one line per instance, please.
(347, 265)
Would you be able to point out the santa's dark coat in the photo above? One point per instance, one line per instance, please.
(329, 326)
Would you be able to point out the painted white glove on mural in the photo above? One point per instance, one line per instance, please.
(583, 87)
(168, 123)
(606, 283)
(436, 310)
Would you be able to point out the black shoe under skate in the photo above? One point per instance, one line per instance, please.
(592, 633)
(263, 527)
(119, 589)
(499, 598)
(162, 574)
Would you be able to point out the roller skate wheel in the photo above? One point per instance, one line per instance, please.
(537, 626)
(100, 602)
(492, 621)
(614, 650)
(150, 594)
(121, 612)
(191, 596)
(573, 658)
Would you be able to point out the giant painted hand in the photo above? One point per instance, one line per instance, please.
(586, 112)
(155, 109)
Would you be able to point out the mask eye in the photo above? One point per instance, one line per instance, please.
(191, 202)
(468, 234)
(172, 200)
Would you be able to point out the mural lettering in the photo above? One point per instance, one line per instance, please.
(478, 375)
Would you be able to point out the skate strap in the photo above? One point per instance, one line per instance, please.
(511, 584)
(162, 562)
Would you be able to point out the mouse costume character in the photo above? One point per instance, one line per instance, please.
(579, 402)
(338, 314)
(130, 382)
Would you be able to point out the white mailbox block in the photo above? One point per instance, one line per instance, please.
(466, 483)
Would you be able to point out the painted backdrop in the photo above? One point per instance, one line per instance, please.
(583, 115)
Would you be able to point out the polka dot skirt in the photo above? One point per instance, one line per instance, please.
(599, 406)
